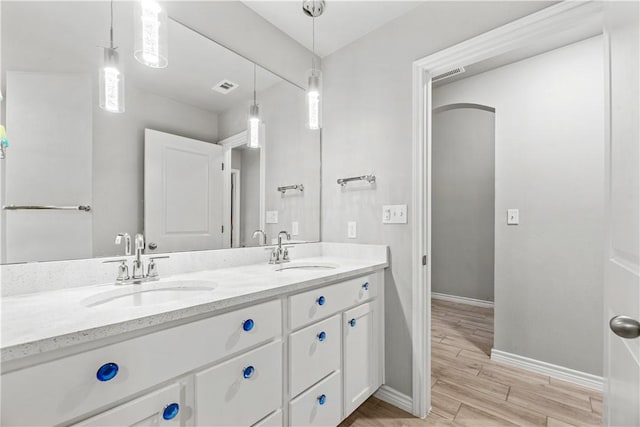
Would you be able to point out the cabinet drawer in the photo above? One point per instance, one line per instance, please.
(319, 406)
(159, 408)
(274, 420)
(69, 387)
(314, 352)
(241, 391)
(322, 302)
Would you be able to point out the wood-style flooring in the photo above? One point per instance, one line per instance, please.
(468, 389)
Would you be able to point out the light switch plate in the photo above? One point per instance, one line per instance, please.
(352, 232)
(394, 214)
(271, 217)
(294, 228)
(513, 216)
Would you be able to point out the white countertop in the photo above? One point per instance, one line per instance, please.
(46, 321)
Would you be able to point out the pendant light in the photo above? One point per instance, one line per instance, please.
(151, 30)
(111, 78)
(314, 8)
(253, 124)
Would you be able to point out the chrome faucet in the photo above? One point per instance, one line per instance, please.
(280, 254)
(138, 275)
(257, 233)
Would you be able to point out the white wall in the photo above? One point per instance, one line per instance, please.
(367, 128)
(462, 194)
(550, 165)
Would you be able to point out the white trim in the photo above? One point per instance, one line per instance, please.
(394, 397)
(560, 372)
(462, 300)
(234, 141)
(509, 37)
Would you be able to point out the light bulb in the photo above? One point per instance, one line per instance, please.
(253, 137)
(151, 34)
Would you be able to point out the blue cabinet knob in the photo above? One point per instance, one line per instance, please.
(107, 371)
(170, 411)
(322, 336)
(365, 286)
(352, 322)
(321, 300)
(322, 399)
(248, 372)
(248, 325)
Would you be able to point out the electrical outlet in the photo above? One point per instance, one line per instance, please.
(294, 228)
(513, 216)
(351, 230)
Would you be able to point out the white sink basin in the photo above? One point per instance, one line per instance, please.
(315, 266)
(149, 294)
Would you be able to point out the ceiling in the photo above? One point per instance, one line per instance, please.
(342, 22)
(32, 41)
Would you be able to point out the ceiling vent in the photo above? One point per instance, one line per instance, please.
(448, 74)
(225, 86)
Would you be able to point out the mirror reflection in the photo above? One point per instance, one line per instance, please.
(177, 164)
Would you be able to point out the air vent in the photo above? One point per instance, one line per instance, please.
(448, 74)
(225, 86)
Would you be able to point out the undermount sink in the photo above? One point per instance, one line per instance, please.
(306, 267)
(149, 294)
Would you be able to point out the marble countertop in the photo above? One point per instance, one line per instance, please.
(46, 321)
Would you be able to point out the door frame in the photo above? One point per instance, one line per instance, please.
(229, 144)
(235, 208)
(515, 35)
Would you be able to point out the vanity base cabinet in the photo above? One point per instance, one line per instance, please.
(361, 355)
(163, 407)
(273, 420)
(240, 391)
(321, 405)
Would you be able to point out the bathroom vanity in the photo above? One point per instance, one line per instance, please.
(298, 343)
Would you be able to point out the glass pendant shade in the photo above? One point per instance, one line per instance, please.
(253, 127)
(314, 94)
(151, 34)
(111, 83)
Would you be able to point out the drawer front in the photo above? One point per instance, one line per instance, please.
(314, 352)
(310, 409)
(310, 306)
(274, 420)
(241, 391)
(69, 387)
(159, 408)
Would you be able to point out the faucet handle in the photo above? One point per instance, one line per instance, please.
(123, 269)
(127, 242)
(152, 269)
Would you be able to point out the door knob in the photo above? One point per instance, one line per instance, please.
(625, 327)
(153, 246)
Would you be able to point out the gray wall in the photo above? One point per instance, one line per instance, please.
(367, 128)
(249, 196)
(550, 165)
(462, 186)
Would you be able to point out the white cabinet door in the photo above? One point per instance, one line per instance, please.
(159, 408)
(361, 355)
(183, 192)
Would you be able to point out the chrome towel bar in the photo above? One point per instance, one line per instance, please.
(369, 178)
(299, 187)
(84, 208)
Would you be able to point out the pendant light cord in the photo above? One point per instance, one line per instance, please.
(111, 28)
(254, 83)
(313, 38)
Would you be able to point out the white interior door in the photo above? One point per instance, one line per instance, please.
(48, 163)
(183, 193)
(622, 268)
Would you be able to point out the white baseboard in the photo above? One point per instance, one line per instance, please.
(395, 398)
(462, 300)
(560, 372)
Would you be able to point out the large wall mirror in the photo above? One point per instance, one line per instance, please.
(174, 165)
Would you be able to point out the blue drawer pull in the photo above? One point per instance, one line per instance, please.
(107, 371)
(352, 322)
(247, 325)
(365, 286)
(248, 372)
(321, 300)
(322, 336)
(322, 399)
(170, 411)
